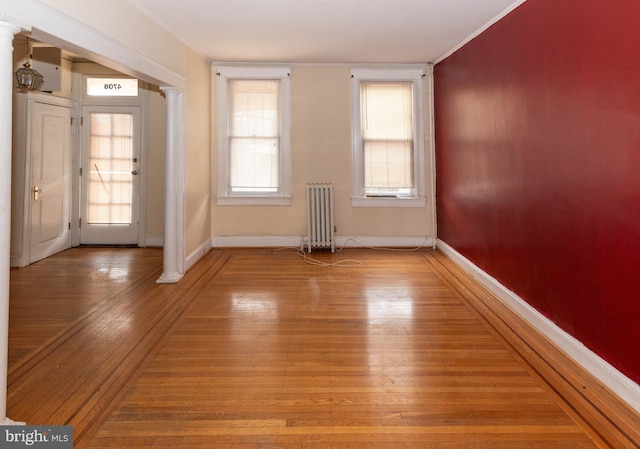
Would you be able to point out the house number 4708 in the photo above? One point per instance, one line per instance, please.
(112, 86)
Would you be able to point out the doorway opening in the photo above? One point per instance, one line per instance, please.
(90, 130)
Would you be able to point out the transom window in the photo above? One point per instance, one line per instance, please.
(253, 147)
(111, 87)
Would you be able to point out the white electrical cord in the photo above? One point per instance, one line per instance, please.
(383, 248)
(345, 262)
(340, 263)
(311, 261)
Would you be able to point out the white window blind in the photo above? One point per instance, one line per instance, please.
(387, 133)
(254, 135)
(254, 139)
(388, 151)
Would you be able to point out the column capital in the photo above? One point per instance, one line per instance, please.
(170, 90)
(9, 29)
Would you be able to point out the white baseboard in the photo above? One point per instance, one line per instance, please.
(192, 258)
(341, 241)
(15, 261)
(256, 241)
(384, 242)
(197, 254)
(621, 385)
(155, 241)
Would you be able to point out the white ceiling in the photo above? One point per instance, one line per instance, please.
(325, 31)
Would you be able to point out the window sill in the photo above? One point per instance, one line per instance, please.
(387, 202)
(253, 201)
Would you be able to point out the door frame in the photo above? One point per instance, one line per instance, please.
(80, 100)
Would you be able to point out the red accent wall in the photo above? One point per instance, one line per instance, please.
(538, 164)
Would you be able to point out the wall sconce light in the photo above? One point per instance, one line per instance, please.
(28, 78)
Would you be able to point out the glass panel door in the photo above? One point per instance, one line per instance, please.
(110, 175)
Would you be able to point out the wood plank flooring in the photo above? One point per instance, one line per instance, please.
(256, 349)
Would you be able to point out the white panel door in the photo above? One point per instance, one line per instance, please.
(50, 141)
(110, 162)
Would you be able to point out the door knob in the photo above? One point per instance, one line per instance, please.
(36, 191)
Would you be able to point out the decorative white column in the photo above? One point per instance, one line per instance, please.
(174, 201)
(7, 31)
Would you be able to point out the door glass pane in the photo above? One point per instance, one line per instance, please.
(110, 165)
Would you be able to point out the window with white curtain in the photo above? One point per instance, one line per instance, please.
(388, 137)
(253, 148)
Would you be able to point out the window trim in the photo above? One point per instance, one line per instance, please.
(224, 196)
(414, 75)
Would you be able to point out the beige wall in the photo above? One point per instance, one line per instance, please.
(321, 152)
(198, 150)
(157, 139)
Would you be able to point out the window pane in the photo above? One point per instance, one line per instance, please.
(387, 110)
(110, 178)
(388, 164)
(387, 131)
(254, 164)
(254, 135)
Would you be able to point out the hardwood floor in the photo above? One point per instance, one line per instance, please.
(256, 349)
